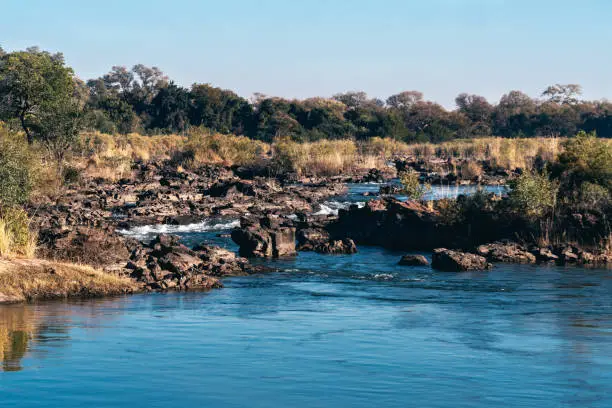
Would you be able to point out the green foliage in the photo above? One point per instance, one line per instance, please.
(32, 84)
(594, 196)
(586, 159)
(533, 194)
(412, 186)
(16, 170)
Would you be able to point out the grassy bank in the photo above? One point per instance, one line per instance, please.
(32, 279)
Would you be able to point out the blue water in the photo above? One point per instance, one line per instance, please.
(356, 191)
(324, 331)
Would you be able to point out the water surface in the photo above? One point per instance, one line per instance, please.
(326, 332)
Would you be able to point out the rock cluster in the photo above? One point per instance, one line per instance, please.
(167, 264)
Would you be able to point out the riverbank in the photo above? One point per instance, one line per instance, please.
(38, 279)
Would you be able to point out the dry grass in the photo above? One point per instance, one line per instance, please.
(502, 152)
(16, 236)
(203, 147)
(110, 157)
(321, 158)
(23, 279)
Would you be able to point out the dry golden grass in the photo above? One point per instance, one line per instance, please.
(29, 279)
(110, 157)
(16, 236)
(505, 153)
(203, 147)
(321, 158)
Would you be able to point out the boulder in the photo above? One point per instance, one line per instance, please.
(413, 260)
(309, 238)
(454, 261)
(266, 237)
(179, 262)
(506, 252)
(341, 246)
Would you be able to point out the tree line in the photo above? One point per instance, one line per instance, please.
(40, 94)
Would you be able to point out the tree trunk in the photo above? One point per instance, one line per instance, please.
(29, 136)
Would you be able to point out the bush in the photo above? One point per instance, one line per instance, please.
(16, 238)
(586, 159)
(411, 185)
(16, 169)
(533, 194)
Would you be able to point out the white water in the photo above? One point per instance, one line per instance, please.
(149, 231)
(332, 207)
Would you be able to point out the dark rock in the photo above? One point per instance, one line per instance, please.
(309, 238)
(506, 252)
(336, 247)
(264, 238)
(453, 261)
(413, 260)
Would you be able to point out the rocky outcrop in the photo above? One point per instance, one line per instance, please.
(454, 261)
(266, 237)
(336, 247)
(506, 252)
(391, 223)
(413, 260)
(167, 264)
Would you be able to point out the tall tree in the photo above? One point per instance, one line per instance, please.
(563, 94)
(32, 81)
(404, 100)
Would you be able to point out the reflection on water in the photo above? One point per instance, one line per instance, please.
(17, 327)
(351, 332)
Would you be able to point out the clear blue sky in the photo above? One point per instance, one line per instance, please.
(302, 48)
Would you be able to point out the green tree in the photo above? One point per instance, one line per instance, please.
(31, 82)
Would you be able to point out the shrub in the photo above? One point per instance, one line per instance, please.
(411, 184)
(533, 194)
(586, 159)
(16, 169)
(593, 195)
(16, 237)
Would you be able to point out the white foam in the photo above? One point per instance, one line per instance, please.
(148, 231)
(332, 207)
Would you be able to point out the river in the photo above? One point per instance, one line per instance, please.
(324, 331)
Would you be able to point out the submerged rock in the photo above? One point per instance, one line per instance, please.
(454, 261)
(413, 260)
